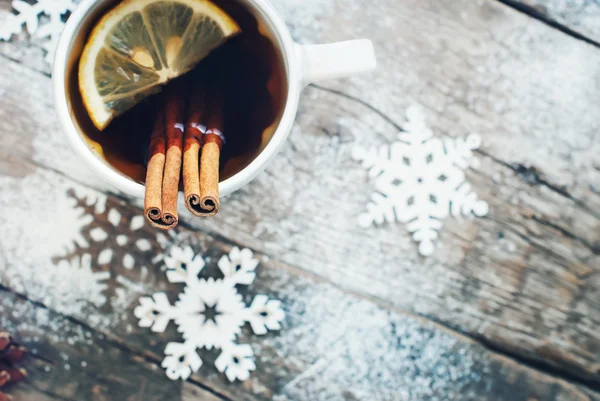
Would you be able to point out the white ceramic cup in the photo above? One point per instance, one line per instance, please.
(303, 64)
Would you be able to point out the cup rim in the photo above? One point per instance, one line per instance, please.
(125, 184)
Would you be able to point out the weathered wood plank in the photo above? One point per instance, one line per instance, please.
(27, 392)
(334, 346)
(514, 279)
(580, 16)
(524, 279)
(68, 361)
(190, 392)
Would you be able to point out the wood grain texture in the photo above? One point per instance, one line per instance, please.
(68, 361)
(334, 345)
(524, 281)
(580, 16)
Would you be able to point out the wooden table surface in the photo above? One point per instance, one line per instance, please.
(508, 308)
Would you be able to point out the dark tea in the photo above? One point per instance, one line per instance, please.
(250, 76)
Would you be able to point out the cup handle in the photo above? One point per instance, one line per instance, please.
(336, 60)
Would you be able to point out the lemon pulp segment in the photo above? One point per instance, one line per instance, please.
(142, 44)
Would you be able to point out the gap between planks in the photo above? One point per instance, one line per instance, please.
(537, 15)
(114, 341)
(540, 367)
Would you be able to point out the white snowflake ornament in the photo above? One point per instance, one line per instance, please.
(210, 313)
(420, 180)
(30, 15)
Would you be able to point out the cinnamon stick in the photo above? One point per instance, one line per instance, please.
(194, 133)
(211, 154)
(204, 134)
(174, 114)
(153, 209)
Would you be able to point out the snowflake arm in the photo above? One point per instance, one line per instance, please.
(181, 361)
(264, 315)
(375, 160)
(466, 202)
(425, 232)
(182, 265)
(155, 312)
(28, 15)
(239, 266)
(460, 150)
(236, 361)
(416, 130)
(380, 210)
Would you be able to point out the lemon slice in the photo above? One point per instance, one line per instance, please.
(142, 44)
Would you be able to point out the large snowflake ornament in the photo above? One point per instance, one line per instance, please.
(420, 180)
(210, 313)
(44, 19)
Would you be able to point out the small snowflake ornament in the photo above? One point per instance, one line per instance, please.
(31, 16)
(420, 180)
(210, 313)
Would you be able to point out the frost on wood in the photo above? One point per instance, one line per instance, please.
(420, 181)
(78, 269)
(123, 245)
(210, 313)
(44, 19)
(71, 286)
